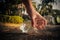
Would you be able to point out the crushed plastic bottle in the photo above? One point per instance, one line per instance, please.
(23, 28)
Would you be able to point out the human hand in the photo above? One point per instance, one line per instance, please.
(38, 22)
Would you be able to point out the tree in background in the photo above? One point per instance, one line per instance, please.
(46, 6)
(9, 7)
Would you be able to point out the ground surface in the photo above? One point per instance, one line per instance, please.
(52, 32)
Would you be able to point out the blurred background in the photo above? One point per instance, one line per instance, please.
(14, 19)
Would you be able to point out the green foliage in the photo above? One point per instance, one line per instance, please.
(11, 19)
(15, 19)
(46, 10)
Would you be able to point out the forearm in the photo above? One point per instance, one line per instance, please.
(29, 6)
